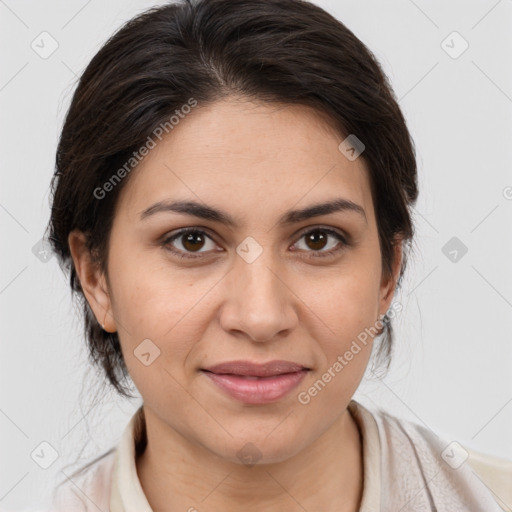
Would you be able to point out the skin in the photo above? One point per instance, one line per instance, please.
(255, 162)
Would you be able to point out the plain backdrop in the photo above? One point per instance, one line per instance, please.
(452, 364)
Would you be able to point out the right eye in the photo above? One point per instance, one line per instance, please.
(190, 239)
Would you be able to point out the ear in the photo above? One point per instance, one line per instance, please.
(388, 284)
(93, 282)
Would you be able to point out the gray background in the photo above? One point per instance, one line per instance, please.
(452, 366)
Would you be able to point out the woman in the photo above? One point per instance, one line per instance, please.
(232, 200)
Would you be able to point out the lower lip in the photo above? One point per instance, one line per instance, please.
(257, 391)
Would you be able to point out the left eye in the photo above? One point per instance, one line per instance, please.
(192, 240)
(317, 239)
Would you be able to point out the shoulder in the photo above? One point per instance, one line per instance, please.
(413, 456)
(86, 489)
(496, 473)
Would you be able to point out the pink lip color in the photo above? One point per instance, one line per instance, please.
(260, 390)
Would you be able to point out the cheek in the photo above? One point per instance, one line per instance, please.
(151, 298)
(170, 309)
(346, 302)
(345, 318)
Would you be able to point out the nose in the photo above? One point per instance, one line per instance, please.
(258, 301)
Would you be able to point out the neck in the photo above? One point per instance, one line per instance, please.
(177, 474)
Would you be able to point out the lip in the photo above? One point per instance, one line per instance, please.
(255, 383)
(269, 369)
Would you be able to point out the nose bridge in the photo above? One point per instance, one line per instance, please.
(258, 302)
(259, 282)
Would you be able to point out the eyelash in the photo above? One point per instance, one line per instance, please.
(315, 254)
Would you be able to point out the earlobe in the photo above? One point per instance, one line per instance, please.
(389, 284)
(91, 280)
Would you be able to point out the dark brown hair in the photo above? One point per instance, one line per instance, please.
(280, 51)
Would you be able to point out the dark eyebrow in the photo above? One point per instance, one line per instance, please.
(293, 216)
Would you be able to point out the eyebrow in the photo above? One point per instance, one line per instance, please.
(290, 217)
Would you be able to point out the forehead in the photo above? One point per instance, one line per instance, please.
(243, 155)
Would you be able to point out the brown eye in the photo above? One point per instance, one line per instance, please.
(316, 240)
(191, 241)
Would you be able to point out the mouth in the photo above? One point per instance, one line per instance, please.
(254, 383)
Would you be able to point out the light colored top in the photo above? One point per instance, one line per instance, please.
(405, 466)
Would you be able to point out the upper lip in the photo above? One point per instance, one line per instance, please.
(271, 368)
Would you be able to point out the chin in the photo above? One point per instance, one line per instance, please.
(259, 448)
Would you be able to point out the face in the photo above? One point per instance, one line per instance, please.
(270, 285)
